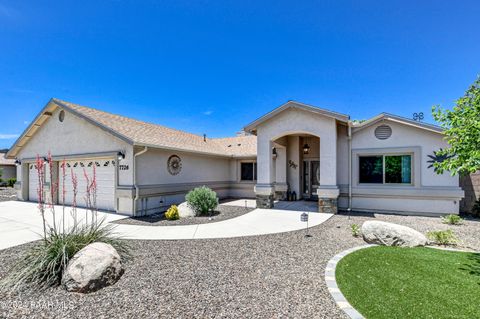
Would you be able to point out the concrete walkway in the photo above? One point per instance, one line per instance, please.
(20, 223)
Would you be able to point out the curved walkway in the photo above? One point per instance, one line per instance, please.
(21, 223)
(257, 222)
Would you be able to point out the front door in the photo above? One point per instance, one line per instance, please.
(311, 178)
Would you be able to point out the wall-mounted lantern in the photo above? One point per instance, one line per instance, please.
(120, 156)
(45, 159)
(306, 148)
(274, 153)
(18, 162)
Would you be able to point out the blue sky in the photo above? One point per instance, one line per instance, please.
(214, 66)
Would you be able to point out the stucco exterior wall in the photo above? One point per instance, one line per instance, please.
(471, 185)
(159, 189)
(429, 192)
(74, 137)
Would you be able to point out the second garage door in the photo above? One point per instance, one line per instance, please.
(105, 176)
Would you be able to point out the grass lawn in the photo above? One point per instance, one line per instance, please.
(393, 282)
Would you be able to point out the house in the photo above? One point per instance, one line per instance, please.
(316, 154)
(7, 168)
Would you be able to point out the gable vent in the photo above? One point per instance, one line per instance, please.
(383, 132)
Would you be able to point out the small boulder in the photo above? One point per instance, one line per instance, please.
(388, 234)
(95, 266)
(184, 210)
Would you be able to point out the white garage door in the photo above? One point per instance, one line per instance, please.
(105, 176)
(33, 180)
(32, 183)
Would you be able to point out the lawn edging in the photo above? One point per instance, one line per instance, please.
(332, 286)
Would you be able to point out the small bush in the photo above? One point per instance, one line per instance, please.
(443, 237)
(355, 230)
(172, 213)
(452, 219)
(11, 182)
(42, 265)
(202, 200)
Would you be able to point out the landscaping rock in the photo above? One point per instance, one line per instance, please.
(95, 266)
(388, 234)
(184, 210)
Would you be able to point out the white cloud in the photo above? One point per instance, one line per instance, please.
(8, 136)
(207, 113)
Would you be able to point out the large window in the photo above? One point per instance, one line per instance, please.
(248, 171)
(385, 169)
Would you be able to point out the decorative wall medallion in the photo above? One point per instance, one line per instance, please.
(174, 165)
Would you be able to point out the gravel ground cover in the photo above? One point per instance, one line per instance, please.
(270, 276)
(7, 194)
(222, 212)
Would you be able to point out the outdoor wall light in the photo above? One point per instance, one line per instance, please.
(120, 156)
(306, 148)
(18, 162)
(274, 153)
(45, 159)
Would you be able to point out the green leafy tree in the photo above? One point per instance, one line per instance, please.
(462, 132)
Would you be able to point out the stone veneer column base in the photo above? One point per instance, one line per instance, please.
(327, 199)
(264, 201)
(327, 205)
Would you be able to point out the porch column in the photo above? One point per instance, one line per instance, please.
(328, 191)
(281, 186)
(265, 189)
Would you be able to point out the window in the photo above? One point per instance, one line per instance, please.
(385, 169)
(248, 171)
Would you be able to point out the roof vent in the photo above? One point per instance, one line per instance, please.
(204, 137)
(383, 132)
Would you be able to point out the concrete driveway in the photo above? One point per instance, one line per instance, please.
(20, 222)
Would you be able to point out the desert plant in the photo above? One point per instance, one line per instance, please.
(452, 219)
(11, 182)
(202, 200)
(43, 265)
(172, 213)
(443, 237)
(355, 230)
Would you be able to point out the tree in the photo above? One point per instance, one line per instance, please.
(462, 132)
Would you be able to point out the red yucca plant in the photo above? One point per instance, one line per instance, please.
(43, 265)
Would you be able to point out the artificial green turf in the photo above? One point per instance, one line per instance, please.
(393, 282)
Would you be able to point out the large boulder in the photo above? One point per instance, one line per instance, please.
(184, 210)
(95, 266)
(388, 234)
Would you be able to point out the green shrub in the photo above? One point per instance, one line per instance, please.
(42, 265)
(476, 209)
(202, 200)
(443, 237)
(452, 219)
(355, 230)
(11, 182)
(172, 213)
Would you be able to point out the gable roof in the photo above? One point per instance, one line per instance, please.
(295, 105)
(141, 133)
(6, 162)
(397, 119)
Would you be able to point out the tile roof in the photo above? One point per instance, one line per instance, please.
(4, 161)
(154, 135)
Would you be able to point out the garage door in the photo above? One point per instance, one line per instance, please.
(33, 181)
(105, 174)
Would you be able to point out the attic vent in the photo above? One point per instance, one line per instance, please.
(383, 132)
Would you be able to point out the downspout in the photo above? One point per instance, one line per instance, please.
(349, 166)
(135, 179)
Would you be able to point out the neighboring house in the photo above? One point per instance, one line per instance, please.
(7, 166)
(378, 165)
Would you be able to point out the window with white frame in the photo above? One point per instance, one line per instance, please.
(385, 169)
(248, 171)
